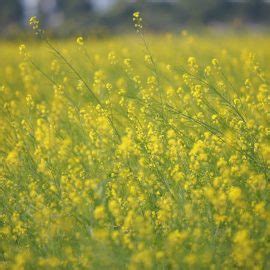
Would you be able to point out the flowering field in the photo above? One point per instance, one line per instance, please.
(135, 152)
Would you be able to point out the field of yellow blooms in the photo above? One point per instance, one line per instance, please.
(135, 152)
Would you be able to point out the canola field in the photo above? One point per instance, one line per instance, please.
(135, 152)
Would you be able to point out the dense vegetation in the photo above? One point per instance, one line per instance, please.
(135, 153)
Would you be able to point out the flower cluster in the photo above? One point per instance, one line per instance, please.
(122, 161)
(137, 19)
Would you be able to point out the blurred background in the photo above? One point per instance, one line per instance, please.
(64, 18)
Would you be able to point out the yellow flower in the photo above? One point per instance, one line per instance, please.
(136, 14)
(243, 248)
(13, 157)
(34, 22)
(235, 194)
(99, 212)
(80, 41)
(137, 21)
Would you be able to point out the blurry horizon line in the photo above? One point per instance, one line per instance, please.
(54, 18)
